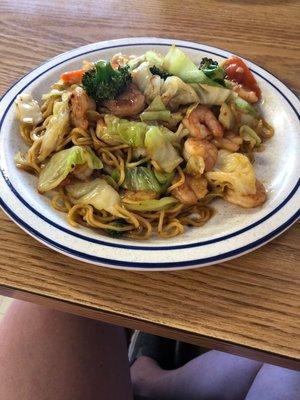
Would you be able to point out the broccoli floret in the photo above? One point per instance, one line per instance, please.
(105, 83)
(157, 71)
(212, 69)
(112, 232)
(207, 63)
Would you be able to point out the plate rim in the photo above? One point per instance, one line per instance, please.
(140, 266)
(140, 41)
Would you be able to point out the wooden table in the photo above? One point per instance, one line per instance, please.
(248, 306)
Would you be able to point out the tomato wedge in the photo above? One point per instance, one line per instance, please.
(237, 71)
(73, 76)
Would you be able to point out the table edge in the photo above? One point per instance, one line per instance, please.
(127, 321)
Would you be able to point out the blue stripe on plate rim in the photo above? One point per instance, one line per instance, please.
(136, 264)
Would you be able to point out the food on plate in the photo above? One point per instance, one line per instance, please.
(141, 145)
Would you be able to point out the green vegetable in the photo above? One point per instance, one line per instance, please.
(105, 83)
(243, 105)
(141, 77)
(135, 62)
(249, 135)
(156, 115)
(176, 93)
(119, 223)
(157, 104)
(141, 178)
(111, 181)
(56, 127)
(131, 132)
(176, 62)
(157, 71)
(195, 165)
(154, 59)
(156, 111)
(161, 150)
(144, 179)
(226, 116)
(211, 95)
(117, 130)
(53, 93)
(62, 163)
(165, 179)
(98, 193)
(233, 170)
(150, 57)
(212, 69)
(153, 205)
(115, 175)
(156, 140)
(107, 132)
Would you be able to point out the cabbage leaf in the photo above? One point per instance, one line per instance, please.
(244, 106)
(211, 95)
(175, 93)
(107, 131)
(153, 205)
(141, 178)
(154, 58)
(161, 150)
(226, 117)
(156, 140)
(117, 130)
(176, 62)
(56, 128)
(195, 165)
(156, 111)
(144, 179)
(97, 193)
(62, 163)
(233, 170)
(150, 85)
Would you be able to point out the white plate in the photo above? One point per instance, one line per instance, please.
(232, 231)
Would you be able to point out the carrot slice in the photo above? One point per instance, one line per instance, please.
(72, 76)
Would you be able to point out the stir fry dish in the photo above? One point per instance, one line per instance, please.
(137, 146)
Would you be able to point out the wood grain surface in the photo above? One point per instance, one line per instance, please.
(248, 306)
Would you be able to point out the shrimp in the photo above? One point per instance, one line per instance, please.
(250, 200)
(201, 148)
(230, 142)
(201, 122)
(246, 94)
(191, 190)
(80, 102)
(130, 102)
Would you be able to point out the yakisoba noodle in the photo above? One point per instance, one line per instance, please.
(143, 148)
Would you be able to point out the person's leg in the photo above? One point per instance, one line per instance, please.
(213, 375)
(46, 355)
(275, 383)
